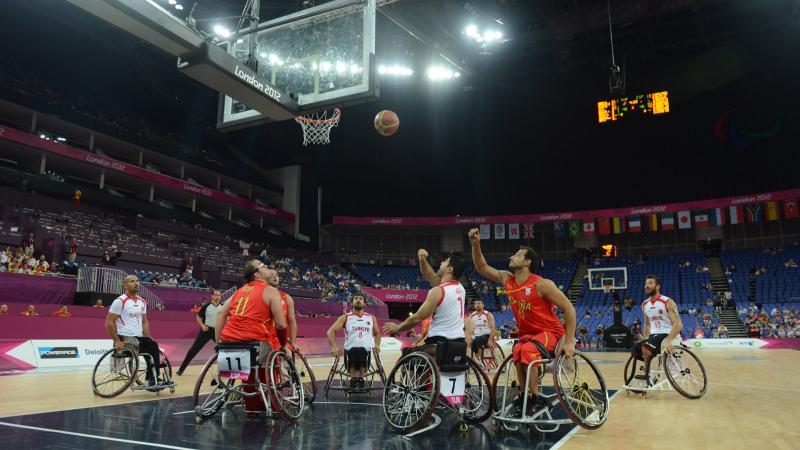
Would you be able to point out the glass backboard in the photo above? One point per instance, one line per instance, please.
(615, 277)
(321, 57)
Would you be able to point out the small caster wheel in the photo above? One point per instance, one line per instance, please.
(347, 396)
(270, 422)
(463, 427)
(172, 390)
(198, 420)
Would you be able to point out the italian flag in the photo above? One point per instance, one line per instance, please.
(667, 221)
(737, 214)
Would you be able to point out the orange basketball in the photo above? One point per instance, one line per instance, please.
(387, 123)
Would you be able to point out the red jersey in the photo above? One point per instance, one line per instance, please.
(249, 317)
(533, 313)
(273, 332)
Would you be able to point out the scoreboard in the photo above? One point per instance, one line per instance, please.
(615, 109)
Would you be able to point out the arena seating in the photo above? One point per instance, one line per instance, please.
(777, 284)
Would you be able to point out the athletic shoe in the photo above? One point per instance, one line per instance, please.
(353, 383)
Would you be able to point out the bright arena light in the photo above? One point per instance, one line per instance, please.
(437, 73)
(487, 37)
(179, 7)
(221, 31)
(172, 2)
(396, 70)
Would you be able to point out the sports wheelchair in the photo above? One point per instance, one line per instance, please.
(577, 386)
(339, 376)
(236, 373)
(491, 357)
(423, 375)
(682, 369)
(118, 369)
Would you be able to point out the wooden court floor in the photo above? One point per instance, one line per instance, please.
(752, 402)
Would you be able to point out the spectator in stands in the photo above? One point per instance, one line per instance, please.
(195, 308)
(157, 279)
(31, 265)
(583, 336)
(62, 312)
(709, 302)
(628, 303)
(587, 315)
(723, 331)
(790, 264)
(98, 303)
(31, 311)
(28, 244)
(3, 310)
(600, 336)
(42, 266)
(73, 250)
(636, 330)
(187, 269)
(598, 314)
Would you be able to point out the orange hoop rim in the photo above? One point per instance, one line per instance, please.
(336, 116)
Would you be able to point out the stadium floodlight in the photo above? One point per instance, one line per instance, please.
(239, 41)
(222, 31)
(324, 66)
(471, 31)
(179, 7)
(341, 67)
(355, 69)
(438, 73)
(395, 70)
(172, 2)
(486, 37)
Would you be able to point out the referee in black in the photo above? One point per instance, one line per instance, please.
(206, 318)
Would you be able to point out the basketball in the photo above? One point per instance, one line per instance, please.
(386, 123)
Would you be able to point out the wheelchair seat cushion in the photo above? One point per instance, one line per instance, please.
(451, 356)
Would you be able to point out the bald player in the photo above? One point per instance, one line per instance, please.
(127, 321)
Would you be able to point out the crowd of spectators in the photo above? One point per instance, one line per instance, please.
(30, 311)
(781, 321)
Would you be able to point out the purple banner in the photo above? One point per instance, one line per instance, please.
(580, 215)
(397, 295)
(31, 140)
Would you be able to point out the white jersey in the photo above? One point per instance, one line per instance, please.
(358, 331)
(480, 322)
(130, 311)
(656, 312)
(448, 317)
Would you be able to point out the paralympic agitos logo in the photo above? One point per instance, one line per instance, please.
(725, 128)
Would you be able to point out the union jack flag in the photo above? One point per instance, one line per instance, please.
(527, 231)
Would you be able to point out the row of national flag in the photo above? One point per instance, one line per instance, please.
(752, 213)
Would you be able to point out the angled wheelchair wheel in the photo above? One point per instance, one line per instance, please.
(209, 395)
(478, 393)
(581, 390)
(306, 376)
(285, 386)
(411, 392)
(506, 387)
(686, 373)
(491, 358)
(334, 371)
(635, 367)
(114, 372)
(378, 367)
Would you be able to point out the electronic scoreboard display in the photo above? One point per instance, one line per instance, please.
(615, 109)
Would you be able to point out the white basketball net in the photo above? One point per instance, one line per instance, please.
(317, 126)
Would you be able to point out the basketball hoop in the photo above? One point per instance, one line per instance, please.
(606, 288)
(317, 126)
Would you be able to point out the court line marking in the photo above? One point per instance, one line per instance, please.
(92, 436)
(50, 411)
(775, 387)
(577, 428)
(315, 403)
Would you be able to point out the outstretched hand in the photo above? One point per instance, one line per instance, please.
(474, 235)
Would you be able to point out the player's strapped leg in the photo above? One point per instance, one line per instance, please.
(478, 343)
(526, 351)
(150, 347)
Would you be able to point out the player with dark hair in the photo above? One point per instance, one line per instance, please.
(662, 324)
(444, 303)
(532, 299)
(483, 329)
(361, 336)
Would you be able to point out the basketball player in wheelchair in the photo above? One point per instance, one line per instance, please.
(662, 326)
(544, 343)
(354, 369)
(483, 348)
(441, 367)
(118, 368)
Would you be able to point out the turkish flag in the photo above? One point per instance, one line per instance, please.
(790, 210)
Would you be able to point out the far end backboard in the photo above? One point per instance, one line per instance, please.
(614, 277)
(321, 57)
